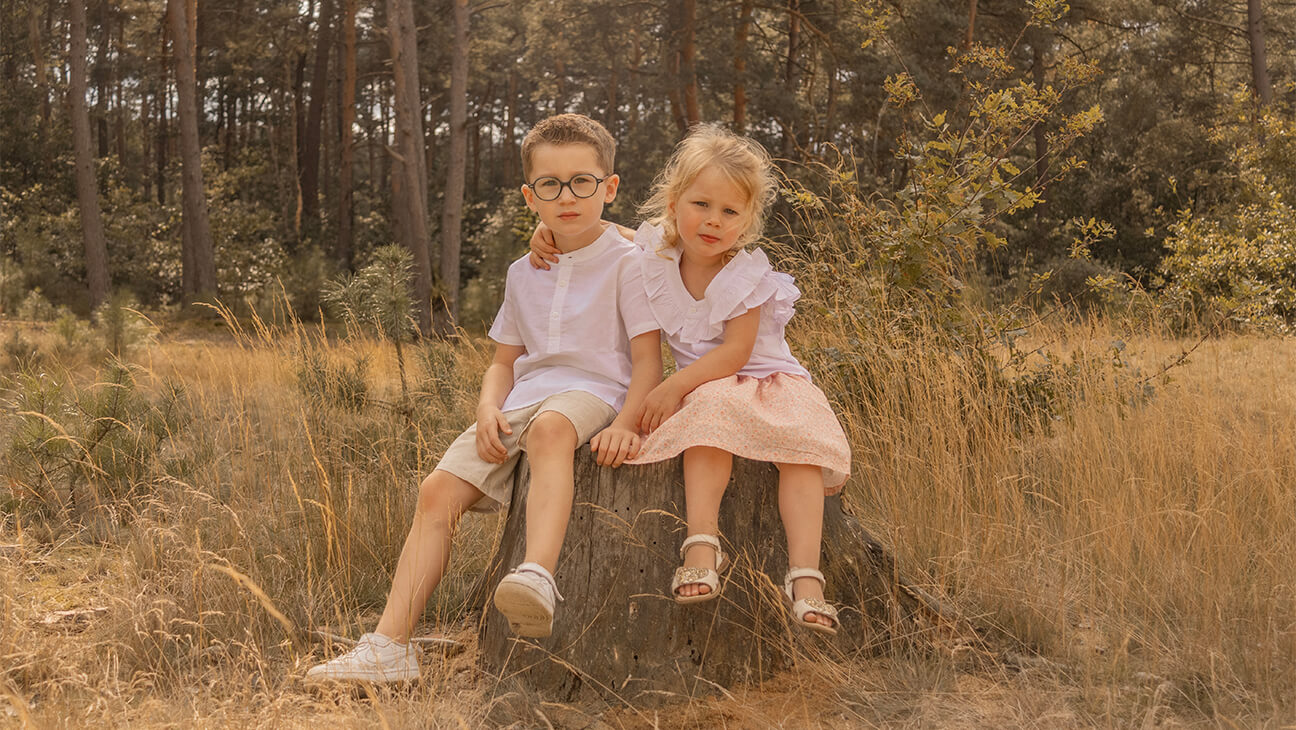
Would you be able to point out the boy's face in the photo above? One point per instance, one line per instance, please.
(574, 221)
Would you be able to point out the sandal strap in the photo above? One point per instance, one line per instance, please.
(815, 605)
(694, 576)
(795, 574)
(701, 539)
(539, 570)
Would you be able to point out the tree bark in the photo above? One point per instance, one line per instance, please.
(38, 60)
(1259, 66)
(162, 134)
(452, 212)
(618, 634)
(201, 282)
(971, 29)
(96, 247)
(409, 172)
(310, 159)
(741, 31)
(101, 78)
(343, 252)
(688, 62)
(790, 78)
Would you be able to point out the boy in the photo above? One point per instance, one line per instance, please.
(571, 349)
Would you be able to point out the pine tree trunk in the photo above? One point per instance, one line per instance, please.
(790, 78)
(688, 53)
(96, 247)
(452, 212)
(618, 634)
(197, 226)
(409, 172)
(346, 164)
(38, 59)
(1259, 65)
(310, 160)
(741, 31)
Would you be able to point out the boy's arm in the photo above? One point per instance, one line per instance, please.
(497, 383)
(725, 360)
(620, 441)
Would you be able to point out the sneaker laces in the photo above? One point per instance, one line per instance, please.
(539, 570)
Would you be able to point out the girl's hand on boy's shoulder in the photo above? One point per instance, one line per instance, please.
(661, 403)
(613, 445)
(490, 422)
(543, 248)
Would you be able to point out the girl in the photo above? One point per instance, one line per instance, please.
(738, 389)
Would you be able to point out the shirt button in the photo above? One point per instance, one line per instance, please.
(562, 283)
(553, 316)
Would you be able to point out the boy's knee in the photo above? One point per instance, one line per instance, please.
(438, 497)
(551, 429)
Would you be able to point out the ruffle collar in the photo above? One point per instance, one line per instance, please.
(746, 282)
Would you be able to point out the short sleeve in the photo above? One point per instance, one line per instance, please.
(632, 301)
(505, 328)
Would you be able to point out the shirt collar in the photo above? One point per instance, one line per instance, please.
(591, 251)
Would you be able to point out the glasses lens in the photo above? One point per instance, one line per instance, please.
(584, 186)
(547, 188)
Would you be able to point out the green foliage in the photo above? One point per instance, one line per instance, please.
(73, 451)
(331, 382)
(36, 308)
(120, 325)
(377, 299)
(500, 239)
(888, 273)
(1238, 260)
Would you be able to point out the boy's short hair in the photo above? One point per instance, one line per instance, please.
(570, 129)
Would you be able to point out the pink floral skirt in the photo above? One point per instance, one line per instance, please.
(780, 418)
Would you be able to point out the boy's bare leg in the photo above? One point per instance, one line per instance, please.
(801, 505)
(551, 443)
(443, 498)
(706, 474)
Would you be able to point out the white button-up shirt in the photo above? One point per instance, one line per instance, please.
(575, 321)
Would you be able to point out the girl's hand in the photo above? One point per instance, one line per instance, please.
(661, 403)
(613, 445)
(543, 248)
(490, 421)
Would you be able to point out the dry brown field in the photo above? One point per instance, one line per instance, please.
(1133, 557)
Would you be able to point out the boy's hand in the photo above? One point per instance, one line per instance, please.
(543, 248)
(490, 421)
(661, 403)
(613, 445)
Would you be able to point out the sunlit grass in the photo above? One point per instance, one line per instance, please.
(1146, 550)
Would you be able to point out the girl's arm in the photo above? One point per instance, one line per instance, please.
(725, 360)
(544, 250)
(620, 440)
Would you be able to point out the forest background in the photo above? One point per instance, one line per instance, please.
(1048, 258)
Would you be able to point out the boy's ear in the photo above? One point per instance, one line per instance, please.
(610, 186)
(528, 196)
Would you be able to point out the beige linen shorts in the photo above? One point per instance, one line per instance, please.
(587, 413)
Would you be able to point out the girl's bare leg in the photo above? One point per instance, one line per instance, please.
(443, 498)
(801, 505)
(706, 474)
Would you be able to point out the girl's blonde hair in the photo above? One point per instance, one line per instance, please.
(742, 160)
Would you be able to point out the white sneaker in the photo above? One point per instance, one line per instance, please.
(526, 598)
(375, 658)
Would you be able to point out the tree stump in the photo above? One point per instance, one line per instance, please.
(619, 634)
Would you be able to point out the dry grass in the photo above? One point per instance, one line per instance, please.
(1146, 551)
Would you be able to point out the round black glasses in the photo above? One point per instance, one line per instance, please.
(549, 188)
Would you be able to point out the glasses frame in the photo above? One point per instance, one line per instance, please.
(567, 184)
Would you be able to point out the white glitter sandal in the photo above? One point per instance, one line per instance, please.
(803, 606)
(709, 577)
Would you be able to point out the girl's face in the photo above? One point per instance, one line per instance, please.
(710, 215)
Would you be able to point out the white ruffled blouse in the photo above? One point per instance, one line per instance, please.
(695, 327)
